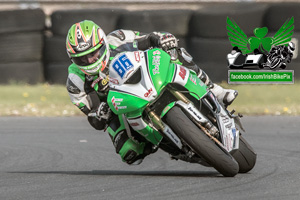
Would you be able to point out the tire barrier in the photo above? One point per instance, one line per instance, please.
(210, 55)
(182, 42)
(277, 14)
(294, 66)
(296, 41)
(172, 21)
(216, 71)
(64, 19)
(209, 49)
(55, 50)
(210, 21)
(22, 72)
(25, 50)
(56, 60)
(21, 46)
(22, 21)
(57, 73)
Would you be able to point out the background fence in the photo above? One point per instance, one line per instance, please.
(32, 47)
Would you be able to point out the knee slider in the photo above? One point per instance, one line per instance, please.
(131, 151)
(130, 156)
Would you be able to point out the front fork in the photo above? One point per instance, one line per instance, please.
(206, 126)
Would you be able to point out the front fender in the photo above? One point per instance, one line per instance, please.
(167, 108)
(189, 108)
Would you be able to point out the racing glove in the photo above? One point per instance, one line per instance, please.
(168, 42)
(155, 39)
(103, 111)
(100, 117)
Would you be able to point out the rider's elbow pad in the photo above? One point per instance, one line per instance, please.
(151, 40)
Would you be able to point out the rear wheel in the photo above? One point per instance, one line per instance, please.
(245, 156)
(201, 143)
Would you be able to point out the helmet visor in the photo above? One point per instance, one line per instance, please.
(90, 58)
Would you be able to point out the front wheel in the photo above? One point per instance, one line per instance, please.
(201, 143)
(245, 156)
(275, 63)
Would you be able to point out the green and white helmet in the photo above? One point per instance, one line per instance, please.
(87, 47)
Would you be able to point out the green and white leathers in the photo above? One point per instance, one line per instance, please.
(147, 87)
(79, 82)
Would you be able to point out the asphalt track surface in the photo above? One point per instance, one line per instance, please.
(64, 158)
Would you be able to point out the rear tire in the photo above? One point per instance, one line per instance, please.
(201, 143)
(245, 156)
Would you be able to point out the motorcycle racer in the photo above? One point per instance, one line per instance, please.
(91, 51)
(282, 53)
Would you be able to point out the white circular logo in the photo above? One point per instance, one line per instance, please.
(78, 34)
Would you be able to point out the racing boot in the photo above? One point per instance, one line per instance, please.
(225, 96)
(131, 150)
(148, 149)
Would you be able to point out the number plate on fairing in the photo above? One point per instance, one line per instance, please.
(124, 65)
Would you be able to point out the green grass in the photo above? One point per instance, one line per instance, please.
(53, 100)
(36, 100)
(267, 99)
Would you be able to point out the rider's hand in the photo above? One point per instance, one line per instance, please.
(168, 41)
(103, 111)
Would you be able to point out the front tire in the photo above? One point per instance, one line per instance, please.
(275, 63)
(245, 156)
(201, 143)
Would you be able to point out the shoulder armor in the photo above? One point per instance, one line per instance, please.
(118, 34)
(71, 87)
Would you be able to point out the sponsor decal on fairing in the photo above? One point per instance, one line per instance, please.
(96, 81)
(193, 79)
(182, 75)
(116, 103)
(182, 72)
(137, 56)
(156, 62)
(148, 93)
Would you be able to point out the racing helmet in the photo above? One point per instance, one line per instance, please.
(87, 47)
(291, 46)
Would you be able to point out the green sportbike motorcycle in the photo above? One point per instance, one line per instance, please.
(173, 109)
